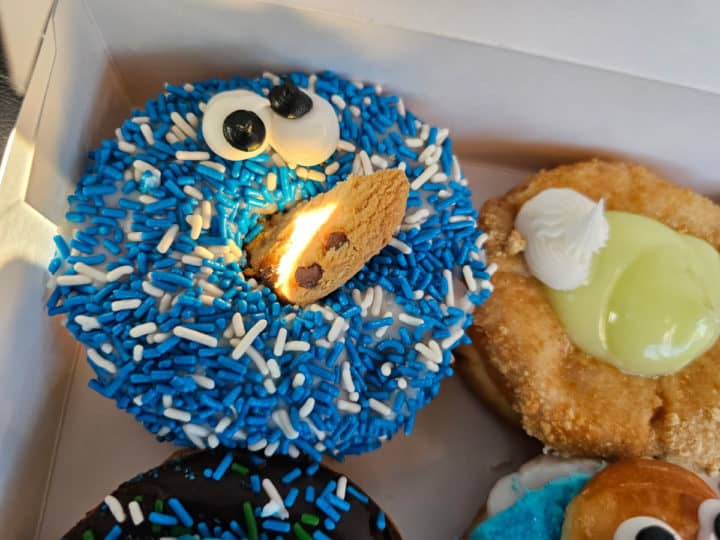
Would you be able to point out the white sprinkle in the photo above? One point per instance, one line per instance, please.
(197, 441)
(293, 451)
(367, 301)
(452, 338)
(126, 147)
(271, 448)
(88, 323)
(192, 119)
(138, 400)
(213, 441)
(203, 381)
(271, 181)
(210, 288)
(365, 162)
(428, 353)
(401, 107)
(147, 199)
(121, 305)
(312, 79)
(332, 168)
(402, 166)
(337, 100)
(377, 301)
(274, 368)
(143, 329)
(194, 335)
(413, 142)
(355, 110)
(183, 125)
(380, 407)
(455, 171)
(439, 178)
(141, 119)
(336, 328)
(282, 419)
(278, 160)
(409, 319)
(470, 280)
(347, 146)
(269, 386)
(136, 513)
(379, 161)
(417, 295)
(279, 347)
(171, 138)
(301, 172)
(327, 314)
(424, 176)
(160, 337)
(115, 508)
(297, 346)
(367, 101)
(380, 332)
(400, 246)
(191, 260)
(307, 407)
(271, 490)
(143, 166)
(444, 193)
(206, 212)
(434, 157)
(89, 271)
(341, 487)
(259, 360)
(223, 424)
(219, 167)
(73, 280)
(168, 238)
(248, 338)
(194, 192)
(165, 302)
(99, 361)
(177, 414)
(491, 268)
(137, 353)
(146, 131)
(151, 289)
(197, 430)
(348, 406)
(167, 400)
(425, 132)
(106, 348)
(458, 219)
(163, 431)
(450, 296)
(480, 242)
(320, 435)
(298, 380)
(315, 176)
(323, 343)
(346, 377)
(270, 509)
(402, 383)
(442, 134)
(134, 236)
(238, 325)
(485, 284)
(204, 252)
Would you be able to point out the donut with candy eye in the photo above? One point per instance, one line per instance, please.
(633, 499)
(282, 264)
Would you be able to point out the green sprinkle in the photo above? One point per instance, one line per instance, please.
(159, 505)
(139, 498)
(310, 519)
(236, 467)
(250, 521)
(178, 530)
(88, 535)
(301, 533)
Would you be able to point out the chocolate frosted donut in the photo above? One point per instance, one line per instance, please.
(233, 494)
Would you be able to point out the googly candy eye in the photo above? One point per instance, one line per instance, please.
(645, 528)
(709, 519)
(236, 124)
(305, 128)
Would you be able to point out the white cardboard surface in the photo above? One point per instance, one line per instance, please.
(510, 113)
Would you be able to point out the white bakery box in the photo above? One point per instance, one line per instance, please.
(63, 447)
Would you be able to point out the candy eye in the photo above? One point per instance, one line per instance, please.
(305, 128)
(709, 519)
(645, 528)
(236, 124)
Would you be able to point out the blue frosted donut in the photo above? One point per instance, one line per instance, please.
(149, 271)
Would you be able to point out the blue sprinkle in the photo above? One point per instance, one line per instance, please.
(114, 533)
(381, 521)
(162, 519)
(182, 514)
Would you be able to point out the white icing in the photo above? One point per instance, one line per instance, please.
(707, 512)
(629, 528)
(534, 475)
(225, 103)
(310, 139)
(563, 229)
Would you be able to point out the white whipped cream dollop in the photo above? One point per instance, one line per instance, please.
(563, 230)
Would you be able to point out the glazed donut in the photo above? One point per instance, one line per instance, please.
(170, 267)
(526, 362)
(633, 499)
(235, 494)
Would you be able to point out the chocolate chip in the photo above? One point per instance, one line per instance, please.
(335, 240)
(308, 276)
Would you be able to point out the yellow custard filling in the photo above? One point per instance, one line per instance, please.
(652, 302)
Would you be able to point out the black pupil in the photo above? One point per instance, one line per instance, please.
(289, 101)
(654, 532)
(244, 130)
(716, 525)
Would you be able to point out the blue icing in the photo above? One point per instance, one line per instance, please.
(538, 514)
(156, 322)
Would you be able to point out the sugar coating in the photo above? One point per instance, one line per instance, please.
(210, 357)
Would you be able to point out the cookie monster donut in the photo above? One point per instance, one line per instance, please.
(633, 499)
(282, 264)
(234, 494)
